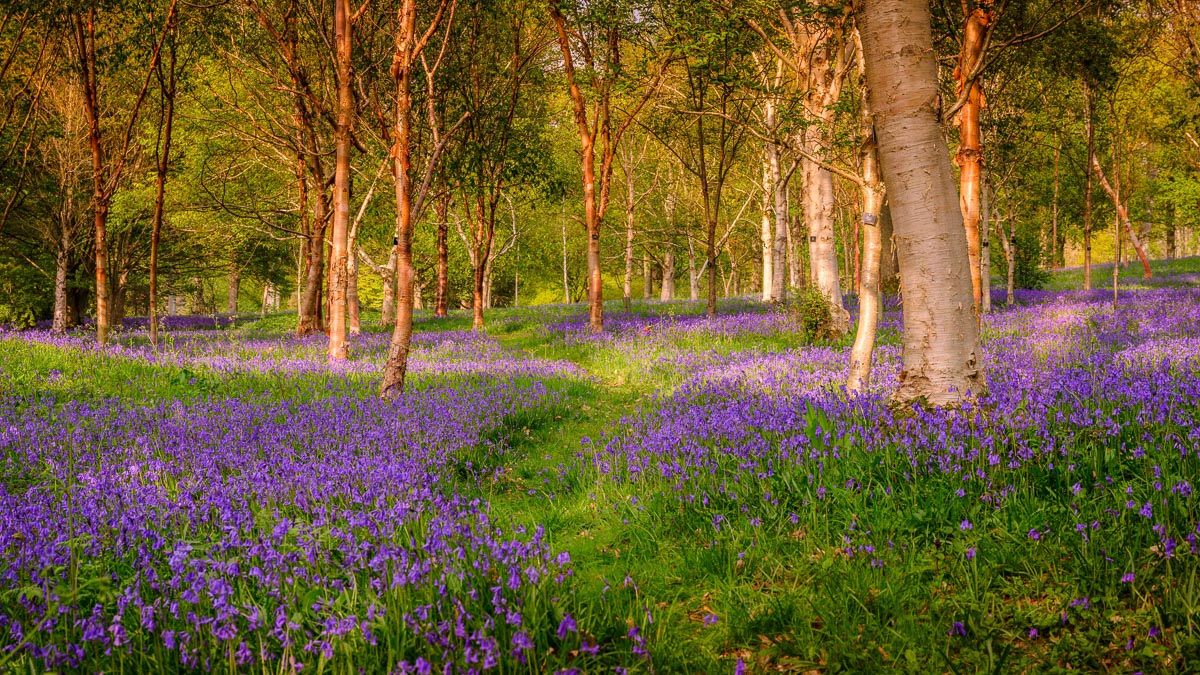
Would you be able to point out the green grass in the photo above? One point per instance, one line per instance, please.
(784, 599)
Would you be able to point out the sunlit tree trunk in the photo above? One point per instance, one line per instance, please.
(630, 206)
(1122, 213)
(340, 234)
(408, 48)
(970, 143)
(667, 292)
(941, 356)
(647, 279)
(105, 178)
(869, 302)
(768, 225)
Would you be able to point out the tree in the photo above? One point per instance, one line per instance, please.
(409, 46)
(594, 35)
(106, 176)
(942, 362)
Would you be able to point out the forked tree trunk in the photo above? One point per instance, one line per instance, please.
(942, 362)
(340, 235)
(970, 142)
(104, 177)
(166, 125)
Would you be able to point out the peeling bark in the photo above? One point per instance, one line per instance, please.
(942, 361)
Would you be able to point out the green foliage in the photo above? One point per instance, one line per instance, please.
(813, 313)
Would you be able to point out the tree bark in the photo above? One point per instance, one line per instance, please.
(62, 261)
(443, 253)
(166, 125)
(339, 246)
(970, 143)
(1090, 132)
(388, 309)
(889, 266)
(869, 303)
(668, 276)
(235, 283)
(1122, 215)
(408, 49)
(985, 244)
(630, 207)
(819, 206)
(768, 226)
(941, 355)
(105, 178)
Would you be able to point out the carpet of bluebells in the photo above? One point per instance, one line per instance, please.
(677, 494)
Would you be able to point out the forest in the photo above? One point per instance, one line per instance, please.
(579, 336)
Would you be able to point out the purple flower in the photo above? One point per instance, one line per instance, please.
(567, 625)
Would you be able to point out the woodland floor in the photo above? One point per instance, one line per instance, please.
(678, 494)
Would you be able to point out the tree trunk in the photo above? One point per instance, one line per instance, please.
(647, 279)
(1172, 234)
(630, 206)
(1090, 131)
(693, 276)
(668, 276)
(566, 276)
(353, 305)
(889, 266)
(1054, 206)
(443, 253)
(819, 208)
(1009, 239)
(166, 125)
(339, 245)
(767, 233)
(235, 282)
(970, 143)
(407, 50)
(941, 355)
(985, 244)
(62, 261)
(1122, 214)
(869, 303)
